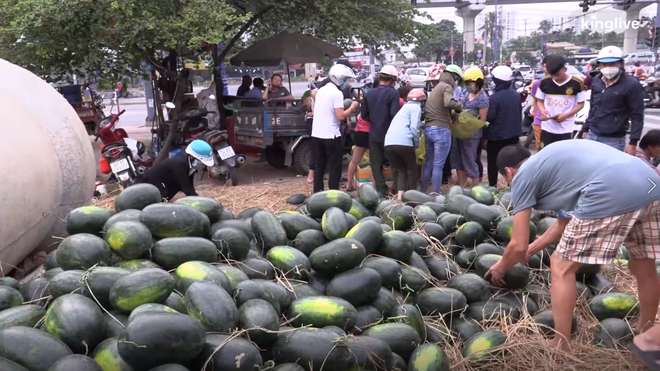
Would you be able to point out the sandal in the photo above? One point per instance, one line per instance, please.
(651, 358)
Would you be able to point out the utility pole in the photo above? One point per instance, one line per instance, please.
(525, 38)
(497, 28)
(654, 48)
(452, 48)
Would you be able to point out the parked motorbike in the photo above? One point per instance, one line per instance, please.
(121, 156)
(582, 115)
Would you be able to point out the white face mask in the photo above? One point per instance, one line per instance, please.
(610, 72)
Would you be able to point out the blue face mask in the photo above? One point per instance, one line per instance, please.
(343, 85)
(540, 75)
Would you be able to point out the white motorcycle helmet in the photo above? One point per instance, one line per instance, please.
(339, 74)
(610, 54)
(389, 70)
(503, 73)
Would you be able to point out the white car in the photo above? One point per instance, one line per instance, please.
(418, 76)
(526, 72)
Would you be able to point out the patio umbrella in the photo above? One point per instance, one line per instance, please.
(290, 48)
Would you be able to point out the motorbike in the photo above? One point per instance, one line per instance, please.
(121, 156)
(582, 115)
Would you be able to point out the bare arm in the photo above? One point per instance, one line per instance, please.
(552, 235)
(343, 114)
(517, 248)
(483, 114)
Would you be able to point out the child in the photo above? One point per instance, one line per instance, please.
(402, 139)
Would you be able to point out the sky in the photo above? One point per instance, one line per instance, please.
(533, 13)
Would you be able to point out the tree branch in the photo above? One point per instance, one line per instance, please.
(241, 31)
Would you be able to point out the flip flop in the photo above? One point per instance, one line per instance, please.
(651, 358)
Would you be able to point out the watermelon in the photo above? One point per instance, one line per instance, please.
(212, 306)
(268, 230)
(278, 291)
(470, 234)
(260, 320)
(516, 278)
(141, 287)
(465, 327)
(160, 338)
(505, 229)
(416, 197)
(321, 311)
(458, 204)
(108, 358)
(388, 269)
(128, 239)
(482, 195)
(308, 240)
(368, 196)
(146, 309)
(35, 290)
(319, 202)
(400, 337)
(369, 353)
(486, 216)
(400, 217)
(75, 362)
(492, 310)
(480, 346)
(293, 263)
(49, 263)
(174, 220)
(358, 210)
(232, 243)
(367, 316)
(396, 245)
(82, 251)
(311, 348)
(472, 286)
(222, 352)
(136, 264)
(465, 258)
(87, 219)
(195, 271)
(207, 206)
(409, 314)
(258, 268)
(33, 349)
(440, 267)
(425, 213)
(239, 224)
(337, 256)
(169, 253)
(450, 222)
(99, 281)
(9, 297)
(297, 199)
(138, 196)
(294, 223)
(368, 233)
(441, 301)
(358, 286)
(613, 305)
(546, 322)
(334, 223)
(7, 365)
(130, 215)
(613, 333)
(234, 274)
(385, 302)
(248, 213)
(77, 321)
(248, 290)
(24, 315)
(428, 357)
(176, 302)
(50, 274)
(412, 280)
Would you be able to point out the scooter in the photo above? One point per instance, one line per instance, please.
(582, 115)
(121, 156)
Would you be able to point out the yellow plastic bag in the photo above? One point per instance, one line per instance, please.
(466, 126)
(421, 151)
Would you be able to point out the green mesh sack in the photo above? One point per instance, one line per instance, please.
(466, 125)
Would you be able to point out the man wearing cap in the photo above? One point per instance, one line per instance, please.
(616, 100)
(578, 179)
(174, 176)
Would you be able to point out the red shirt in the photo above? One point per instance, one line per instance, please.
(364, 126)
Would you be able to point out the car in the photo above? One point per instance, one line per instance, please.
(574, 72)
(418, 76)
(526, 71)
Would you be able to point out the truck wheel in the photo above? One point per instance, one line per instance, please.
(275, 156)
(302, 156)
(231, 175)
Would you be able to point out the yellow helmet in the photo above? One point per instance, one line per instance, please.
(473, 74)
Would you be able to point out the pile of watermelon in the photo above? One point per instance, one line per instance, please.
(339, 284)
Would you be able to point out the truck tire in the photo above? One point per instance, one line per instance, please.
(302, 156)
(276, 156)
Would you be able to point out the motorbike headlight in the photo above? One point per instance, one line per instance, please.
(104, 123)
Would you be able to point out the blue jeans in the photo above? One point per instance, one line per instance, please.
(438, 144)
(618, 143)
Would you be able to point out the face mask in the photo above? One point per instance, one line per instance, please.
(471, 88)
(540, 76)
(610, 72)
(196, 165)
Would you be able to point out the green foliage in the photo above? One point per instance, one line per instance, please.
(438, 38)
(116, 37)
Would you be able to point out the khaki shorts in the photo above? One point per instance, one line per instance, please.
(597, 241)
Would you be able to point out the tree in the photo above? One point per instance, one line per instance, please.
(437, 39)
(488, 33)
(545, 26)
(113, 37)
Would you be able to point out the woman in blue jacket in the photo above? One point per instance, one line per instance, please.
(402, 139)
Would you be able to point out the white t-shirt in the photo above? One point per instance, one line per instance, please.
(559, 98)
(326, 123)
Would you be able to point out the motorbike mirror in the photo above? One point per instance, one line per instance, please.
(212, 97)
(170, 105)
